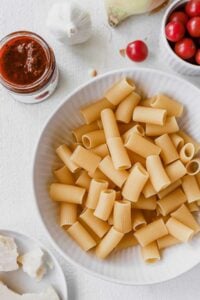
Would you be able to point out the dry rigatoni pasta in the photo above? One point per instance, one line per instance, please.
(81, 236)
(183, 215)
(66, 193)
(101, 150)
(85, 159)
(189, 139)
(65, 154)
(187, 152)
(135, 183)
(68, 213)
(105, 204)
(170, 126)
(117, 176)
(127, 241)
(80, 131)
(150, 253)
(149, 190)
(178, 230)
(177, 140)
(173, 108)
(168, 150)
(150, 233)
(92, 112)
(169, 189)
(175, 170)
(141, 146)
(99, 227)
(108, 243)
(96, 186)
(138, 219)
(158, 176)
(131, 178)
(84, 180)
(64, 175)
(145, 203)
(191, 188)
(149, 115)
(193, 166)
(172, 201)
(125, 109)
(93, 139)
(167, 241)
(120, 91)
(122, 216)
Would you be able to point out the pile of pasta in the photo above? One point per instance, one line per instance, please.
(131, 178)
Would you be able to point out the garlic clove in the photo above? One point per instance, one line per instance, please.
(69, 22)
(119, 10)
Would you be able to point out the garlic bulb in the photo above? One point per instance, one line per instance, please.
(119, 10)
(69, 22)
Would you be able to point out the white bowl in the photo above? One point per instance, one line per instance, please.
(169, 56)
(126, 266)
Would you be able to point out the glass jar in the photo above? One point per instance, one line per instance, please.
(28, 67)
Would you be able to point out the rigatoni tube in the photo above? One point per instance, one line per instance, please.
(157, 174)
(141, 146)
(67, 193)
(105, 204)
(65, 154)
(151, 232)
(108, 243)
(149, 115)
(135, 183)
(96, 186)
(122, 216)
(85, 159)
(81, 236)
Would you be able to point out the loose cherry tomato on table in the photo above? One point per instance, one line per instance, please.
(192, 8)
(179, 16)
(193, 27)
(197, 57)
(185, 48)
(174, 31)
(137, 51)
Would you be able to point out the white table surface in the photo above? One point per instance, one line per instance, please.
(20, 127)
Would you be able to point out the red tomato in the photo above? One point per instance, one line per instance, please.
(179, 16)
(193, 27)
(137, 51)
(197, 57)
(185, 48)
(174, 31)
(192, 8)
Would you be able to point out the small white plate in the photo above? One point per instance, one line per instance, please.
(21, 282)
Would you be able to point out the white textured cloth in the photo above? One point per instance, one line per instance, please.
(20, 127)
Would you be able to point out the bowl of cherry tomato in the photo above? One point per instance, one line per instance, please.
(180, 37)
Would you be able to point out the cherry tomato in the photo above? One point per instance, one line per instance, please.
(192, 8)
(185, 48)
(197, 57)
(137, 51)
(174, 31)
(179, 16)
(193, 27)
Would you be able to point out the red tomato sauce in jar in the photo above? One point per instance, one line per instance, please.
(22, 61)
(28, 67)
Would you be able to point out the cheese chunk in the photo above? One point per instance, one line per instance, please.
(7, 294)
(8, 254)
(33, 264)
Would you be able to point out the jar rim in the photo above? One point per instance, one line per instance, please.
(45, 77)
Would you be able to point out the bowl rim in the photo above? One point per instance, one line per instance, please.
(179, 60)
(43, 247)
(60, 251)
